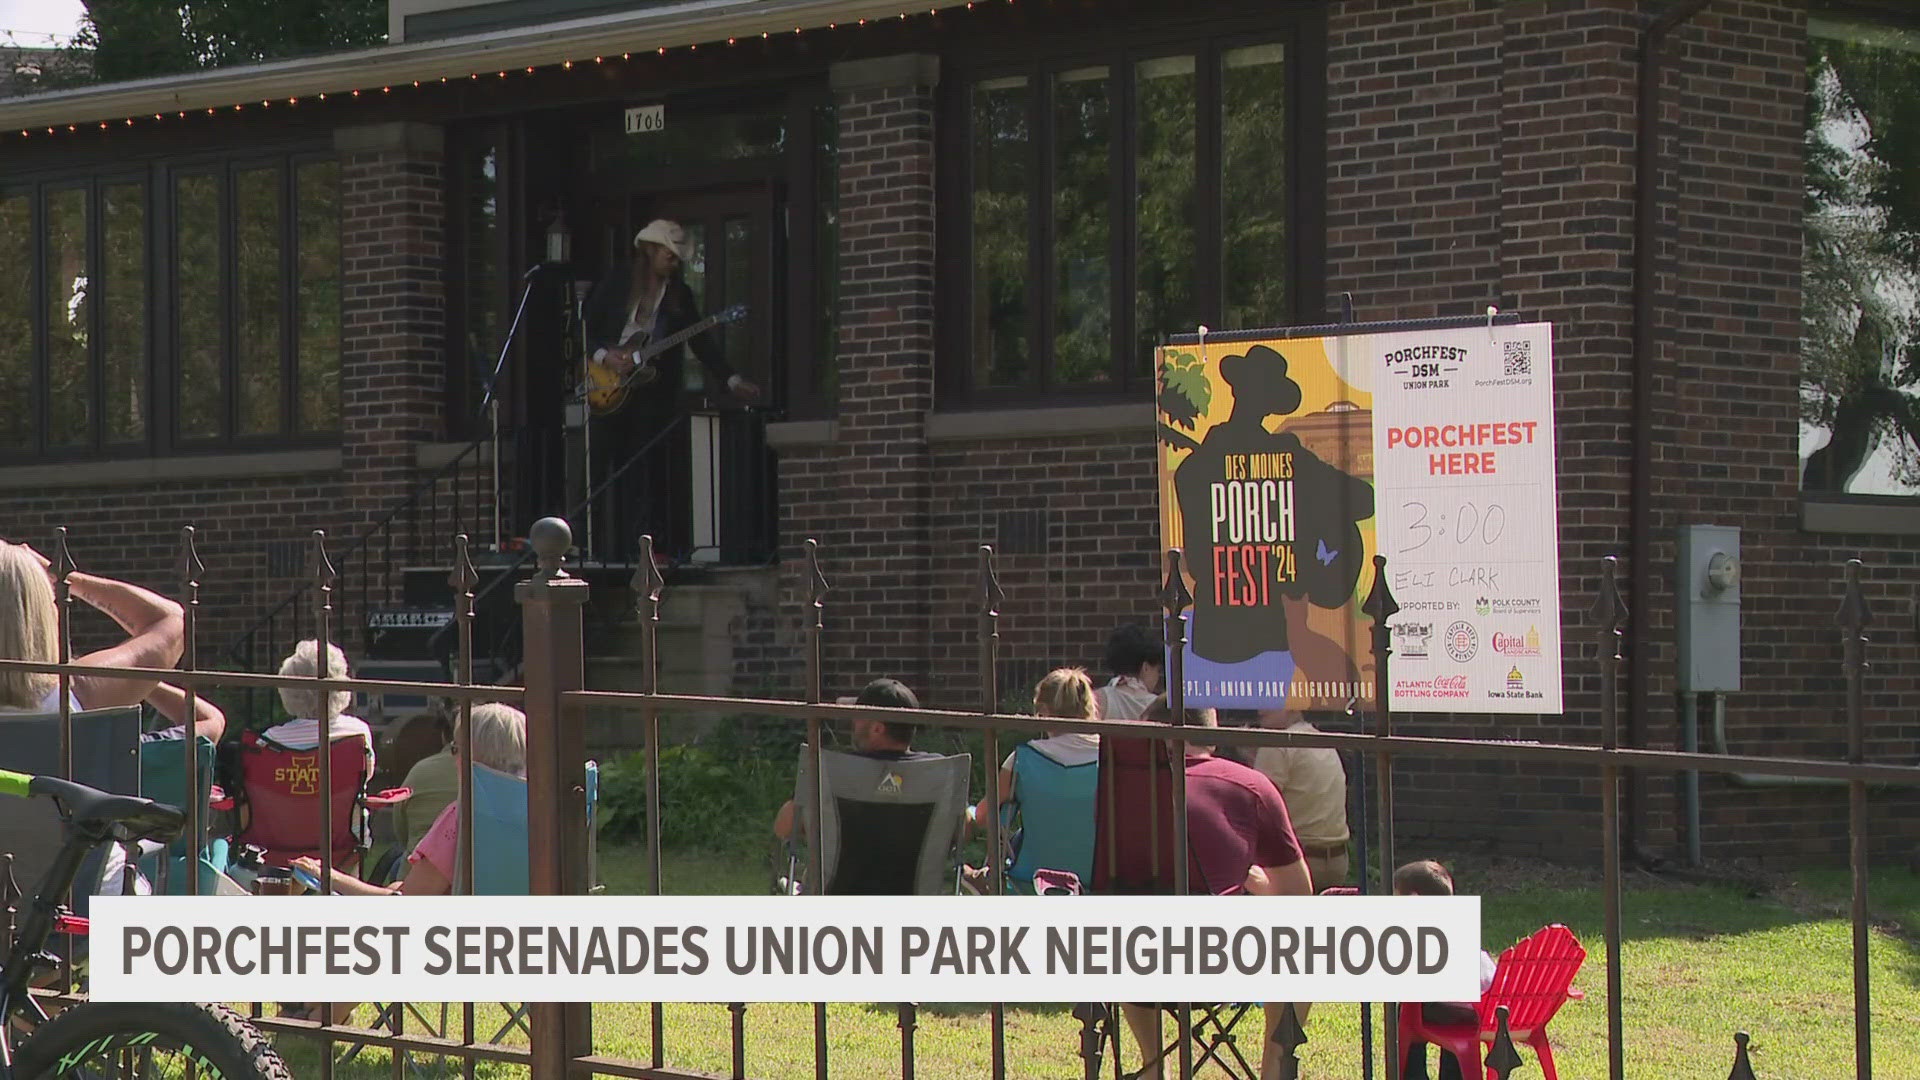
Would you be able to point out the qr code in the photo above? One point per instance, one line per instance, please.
(1519, 356)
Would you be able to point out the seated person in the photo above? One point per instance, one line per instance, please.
(882, 739)
(1313, 782)
(1240, 839)
(305, 707)
(1429, 878)
(29, 630)
(434, 781)
(499, 742)
(1134, 656)
(1065, 692)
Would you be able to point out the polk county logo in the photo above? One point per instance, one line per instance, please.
(1462, 642)
(1515, 645)
(1481, 606)
(1410, 639)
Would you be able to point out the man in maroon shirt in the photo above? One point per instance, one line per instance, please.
(1239, 840)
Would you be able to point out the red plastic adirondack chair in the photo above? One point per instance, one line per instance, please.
(1533, 978)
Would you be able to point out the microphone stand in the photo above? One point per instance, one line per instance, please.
(490, 401)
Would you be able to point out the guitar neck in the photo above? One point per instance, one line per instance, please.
(671, 340)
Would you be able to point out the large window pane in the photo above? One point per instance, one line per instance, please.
(317, 202)
(481, 214)
(16, 322)
(257, 268)
(123, 350)
(1165, 232)
(1082, 209)
(737, 339)
(826, 246)
(197, 280)
(1253, 187)
(69, 396)
(1860, 361)
(1002, 156)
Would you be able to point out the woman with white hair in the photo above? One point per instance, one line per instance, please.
(499, 743)
(29, 630)
(307, 705)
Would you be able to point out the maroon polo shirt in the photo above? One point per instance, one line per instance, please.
(1235, 819)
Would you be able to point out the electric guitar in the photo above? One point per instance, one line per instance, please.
(606, 389)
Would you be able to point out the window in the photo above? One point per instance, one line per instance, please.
(1110, 199)
(218, 284)
(256, 273)
(1860, 357)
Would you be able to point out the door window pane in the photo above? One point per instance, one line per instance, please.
(197, 280)
(16, 322)
(69, 396)
(1002, 156)
(826, 244)
(737, 339)
(123, 350)
(482, 296)
(1165, 229)
(317, 263)
(1082, 239)
(257, 267)
(1253, 187)
(693, 377)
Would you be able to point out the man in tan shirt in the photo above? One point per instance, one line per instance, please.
(1313, 783)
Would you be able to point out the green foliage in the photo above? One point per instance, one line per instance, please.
(719, 795)
(132, 39)
(1185, 393)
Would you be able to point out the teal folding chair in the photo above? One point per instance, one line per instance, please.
(1053, 805)
(163, 778)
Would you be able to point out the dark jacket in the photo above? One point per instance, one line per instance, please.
(605, 315)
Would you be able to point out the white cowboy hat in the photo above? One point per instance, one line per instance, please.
(667, 234)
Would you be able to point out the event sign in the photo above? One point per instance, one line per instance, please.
(1287, 463)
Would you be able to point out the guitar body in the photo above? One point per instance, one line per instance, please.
(607, 389)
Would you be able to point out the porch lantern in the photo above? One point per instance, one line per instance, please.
(559, 239)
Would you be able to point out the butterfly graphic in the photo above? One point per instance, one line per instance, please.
(1325, 556)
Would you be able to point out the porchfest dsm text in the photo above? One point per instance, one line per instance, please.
(605, 948)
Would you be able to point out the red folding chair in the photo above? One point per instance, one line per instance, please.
(280, 807)
(1533, 978)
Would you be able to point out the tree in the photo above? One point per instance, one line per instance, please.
(133, 39)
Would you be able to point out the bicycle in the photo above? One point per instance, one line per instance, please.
(101, 1039)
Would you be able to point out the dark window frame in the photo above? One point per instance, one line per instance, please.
(1302, 34)
(158, 179)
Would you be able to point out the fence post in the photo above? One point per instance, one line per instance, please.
(551, 613)
(991, 600)
(650, 585)
(1174, 598)
(1610, 615)
(190, 569)
(1381, 606)
(1502, 1058)
(1852, 617)
(816, 794)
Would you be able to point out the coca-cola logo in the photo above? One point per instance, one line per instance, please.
(1450, 682)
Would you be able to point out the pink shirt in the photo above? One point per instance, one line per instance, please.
(440, 845)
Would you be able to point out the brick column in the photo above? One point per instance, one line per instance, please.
(393, 256)
(876, 544)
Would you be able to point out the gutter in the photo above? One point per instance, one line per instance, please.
(1640, 494)
(688, 22)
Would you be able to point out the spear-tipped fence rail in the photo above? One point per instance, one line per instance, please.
(554, 700)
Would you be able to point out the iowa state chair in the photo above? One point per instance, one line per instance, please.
(280, 804)
(1533, 979)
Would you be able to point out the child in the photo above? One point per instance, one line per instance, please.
(1429, 878)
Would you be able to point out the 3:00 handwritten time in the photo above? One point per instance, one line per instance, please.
(1469, 523)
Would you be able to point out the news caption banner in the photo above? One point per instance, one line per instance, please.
(842, 948)
(1286, 463)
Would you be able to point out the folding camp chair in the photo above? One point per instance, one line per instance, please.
(890, 828)
(1532, 978)
(163, 778)
(1133, 853)
(1052, 805)
(281, 800)
(106, 755)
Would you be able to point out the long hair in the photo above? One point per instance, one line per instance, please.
(29, 627)
(1065, 692)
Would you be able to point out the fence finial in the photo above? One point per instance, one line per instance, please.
(1609, 611)
(319, 567)
(1174, 595)
(1289, 1036)
(1742, 1067)
(992, 597)
(63, 564)
(188, 565)
(1854, 612)
(816, 582)
(463, 577)
(550, 537)
(1502, 1058)
(648, 584)
(1380, 603)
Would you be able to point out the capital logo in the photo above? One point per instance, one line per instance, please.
(1481, 606)
(1410, 638)
(1463, 642)
(1517, 645)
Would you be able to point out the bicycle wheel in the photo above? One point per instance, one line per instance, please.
(109, 1039)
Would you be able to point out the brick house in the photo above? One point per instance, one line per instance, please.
(958, 233)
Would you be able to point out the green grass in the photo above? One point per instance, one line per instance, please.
(1699, 962)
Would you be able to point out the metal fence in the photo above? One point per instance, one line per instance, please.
(555, 701)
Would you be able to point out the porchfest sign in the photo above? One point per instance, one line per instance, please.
(1287, 463)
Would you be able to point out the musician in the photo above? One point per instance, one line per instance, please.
(644, 300)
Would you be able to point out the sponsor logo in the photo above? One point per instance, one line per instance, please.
(1482, 606)
(1410, 639)
(1463, 642)
(1510, 606)
(1425, 367)
(1442, 686)
(1515, 681)
(1516, 644)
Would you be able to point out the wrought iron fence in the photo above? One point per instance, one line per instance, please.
(555, 700)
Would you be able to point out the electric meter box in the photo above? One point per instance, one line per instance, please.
(1707, 608)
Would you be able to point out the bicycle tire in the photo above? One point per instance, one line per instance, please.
(217, 1039)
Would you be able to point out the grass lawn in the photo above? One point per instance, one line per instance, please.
(1700, 962)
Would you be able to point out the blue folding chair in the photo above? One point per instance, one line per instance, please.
(163, 778)
(1054, 807)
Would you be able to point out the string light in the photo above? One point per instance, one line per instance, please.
(567, 65)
